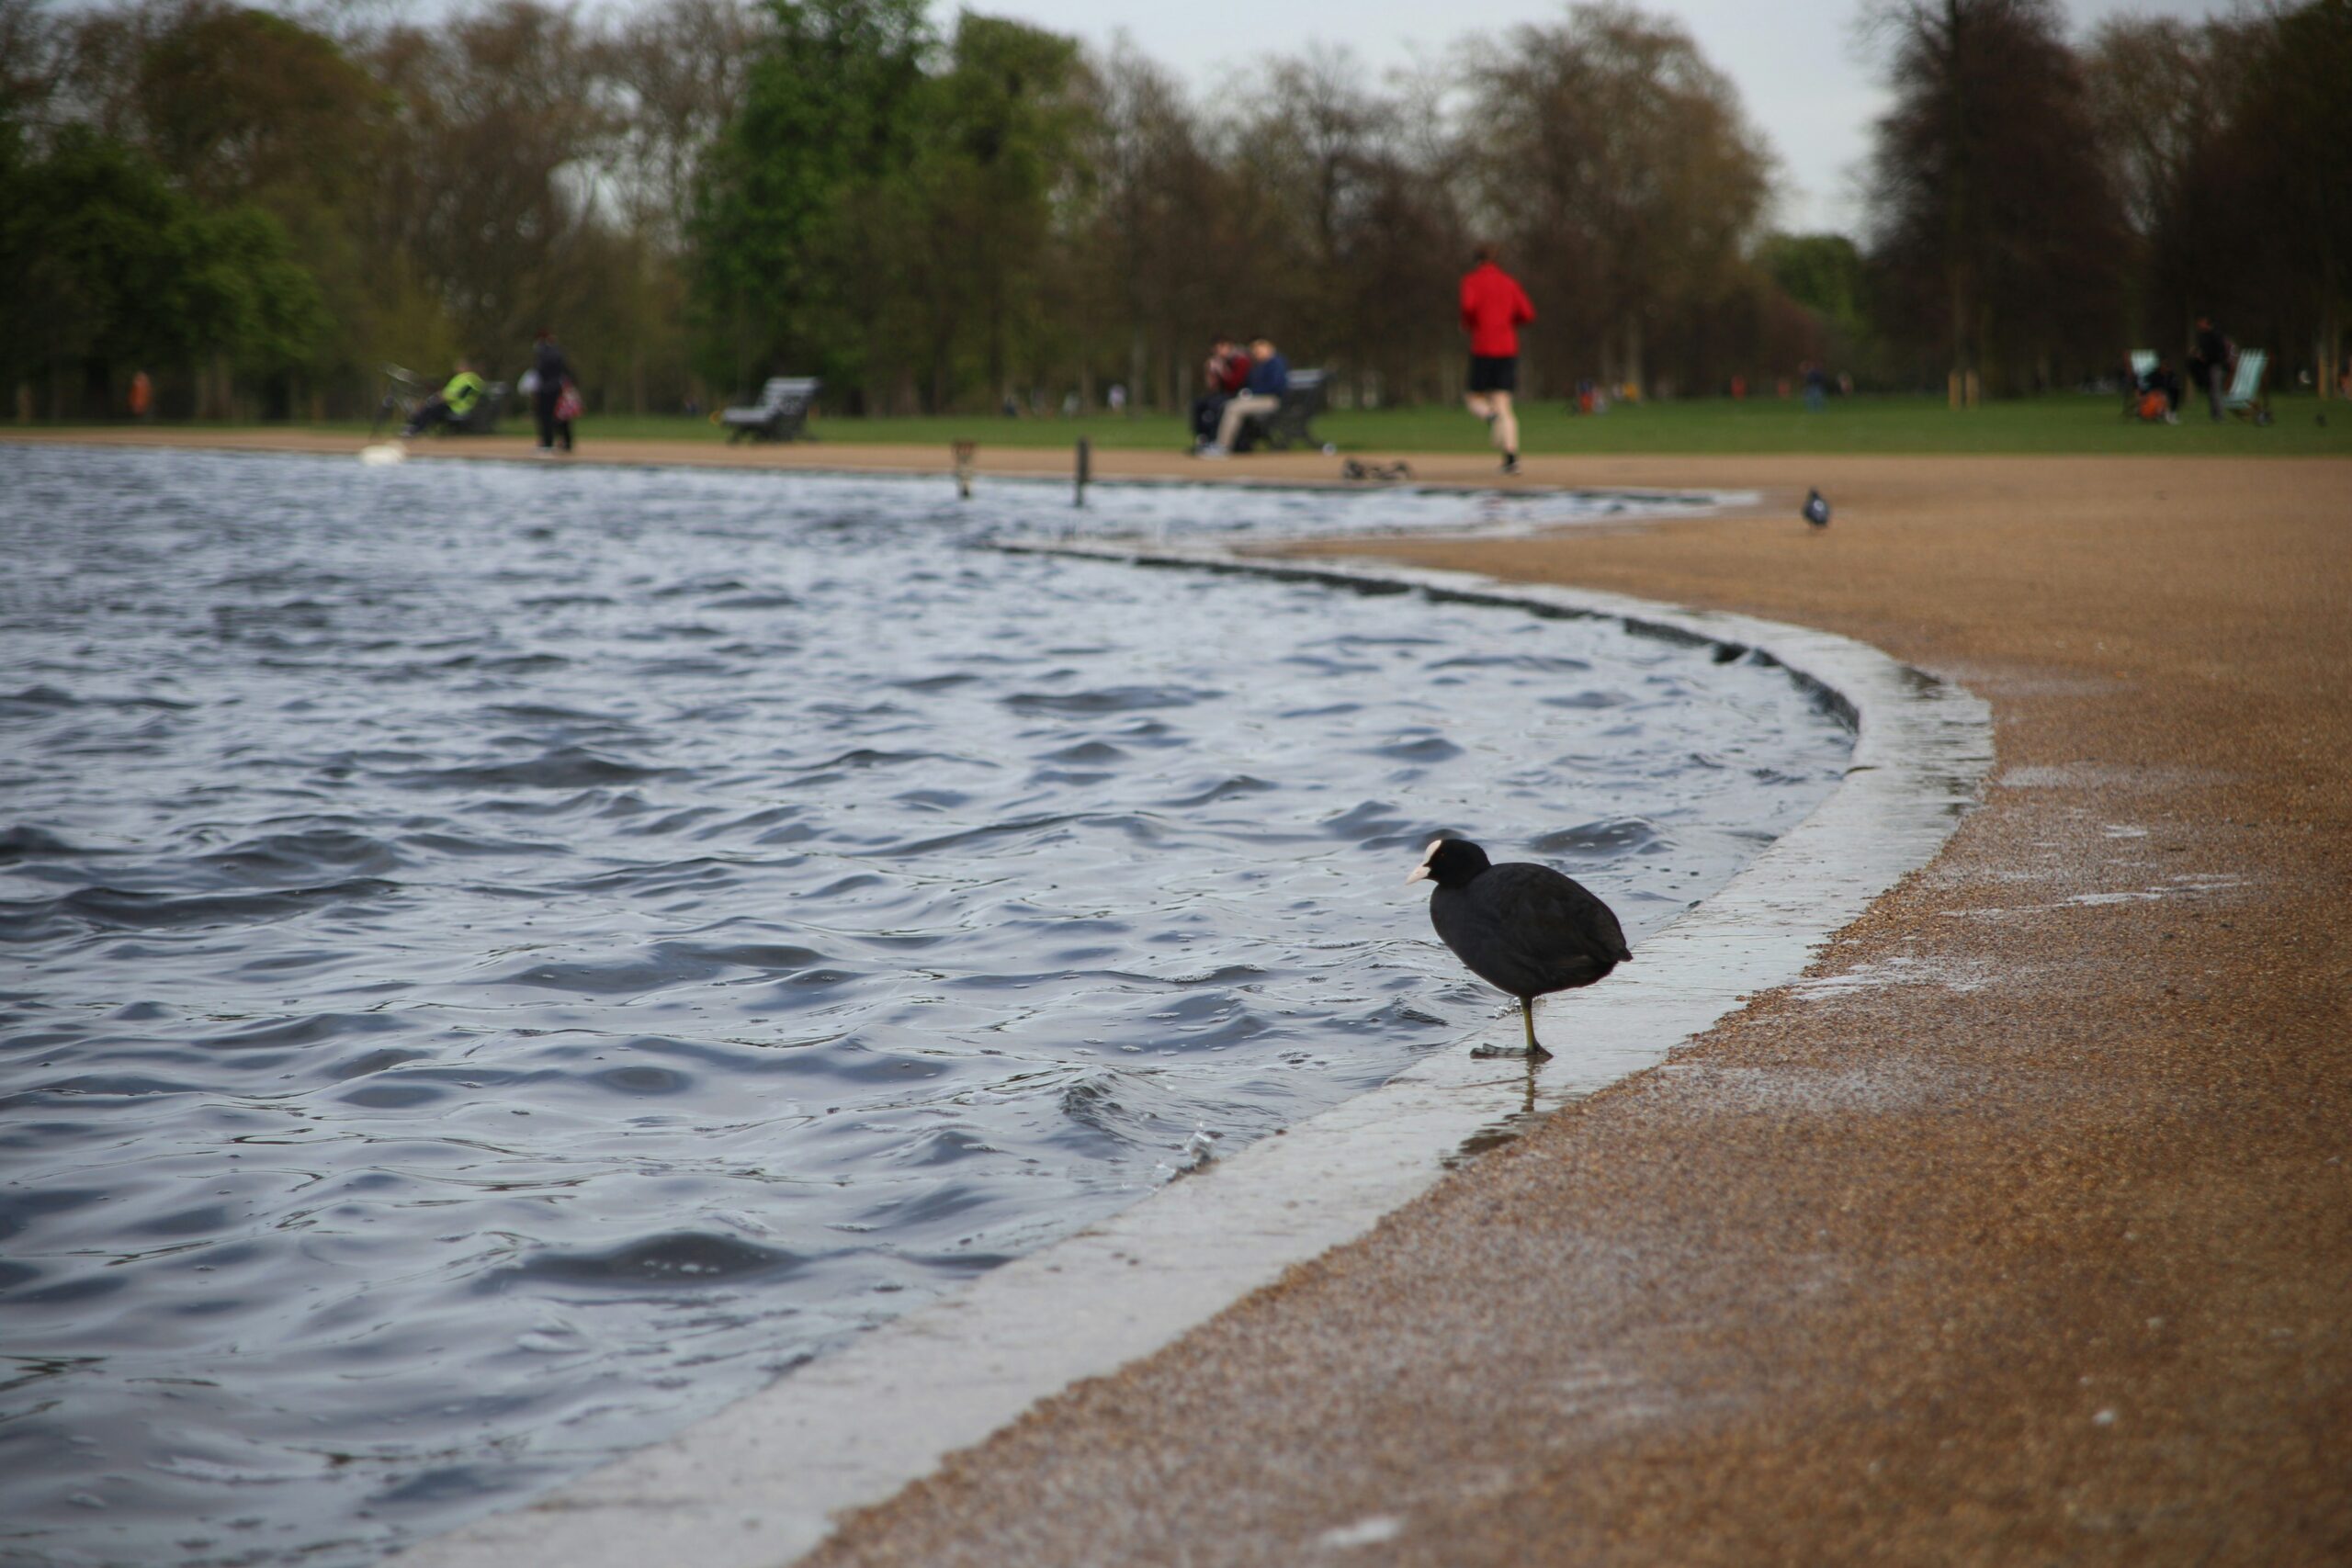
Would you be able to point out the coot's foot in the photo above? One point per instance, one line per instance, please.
(1513, 1052)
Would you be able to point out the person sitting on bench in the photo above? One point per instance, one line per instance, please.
(1227, 373)
(450, 404)
(1269, 379)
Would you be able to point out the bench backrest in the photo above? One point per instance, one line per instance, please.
(1302, 401)
(782, 390)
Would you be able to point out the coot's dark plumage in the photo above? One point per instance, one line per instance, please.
(1524, 927)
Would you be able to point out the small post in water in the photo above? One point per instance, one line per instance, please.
(963, 451)
(1085, 469)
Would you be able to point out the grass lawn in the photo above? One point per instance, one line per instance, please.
(2060, 425)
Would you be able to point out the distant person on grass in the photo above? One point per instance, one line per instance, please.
(1269, 379)
(451, 403)
(2212, 362)
(550, 376)
(1493, 307)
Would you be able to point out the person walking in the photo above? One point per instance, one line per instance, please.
(550, 372)
(1493, 307)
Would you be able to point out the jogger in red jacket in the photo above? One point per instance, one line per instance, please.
(1493, 307)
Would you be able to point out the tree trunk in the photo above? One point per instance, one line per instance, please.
(2331, 327)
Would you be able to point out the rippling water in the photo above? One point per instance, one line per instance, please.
(502, 960)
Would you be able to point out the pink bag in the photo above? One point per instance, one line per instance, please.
(568, 406)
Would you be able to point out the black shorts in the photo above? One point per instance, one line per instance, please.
(1494, 373)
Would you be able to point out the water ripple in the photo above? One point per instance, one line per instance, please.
(506, 958)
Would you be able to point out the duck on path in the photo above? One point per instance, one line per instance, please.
(1524, 927)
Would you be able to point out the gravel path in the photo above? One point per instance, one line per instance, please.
(2021, 1233)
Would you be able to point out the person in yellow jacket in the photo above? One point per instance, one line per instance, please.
(451, 403)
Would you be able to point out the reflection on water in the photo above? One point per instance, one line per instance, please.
(501, 961)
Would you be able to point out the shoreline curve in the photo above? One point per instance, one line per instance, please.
(761, 1482)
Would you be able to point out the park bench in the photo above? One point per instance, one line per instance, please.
(1293, 424)
(781, 413)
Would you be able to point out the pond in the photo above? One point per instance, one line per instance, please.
(504, 959)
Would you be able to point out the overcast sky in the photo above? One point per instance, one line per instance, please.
(1804, 80)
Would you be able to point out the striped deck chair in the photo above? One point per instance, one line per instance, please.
(2246, 397)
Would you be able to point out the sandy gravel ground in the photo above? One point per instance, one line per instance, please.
(2021, 1233)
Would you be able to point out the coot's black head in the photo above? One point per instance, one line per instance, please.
(1450, 863)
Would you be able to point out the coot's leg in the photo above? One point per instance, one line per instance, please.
(1527, 1016)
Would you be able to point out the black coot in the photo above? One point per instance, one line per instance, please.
(1524, 927)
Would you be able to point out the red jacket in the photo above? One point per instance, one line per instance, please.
(1493, 307)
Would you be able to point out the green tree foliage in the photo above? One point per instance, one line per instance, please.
(828, 116)
(238, 107)
(263, 205)
(1824, 273)
(115, 270)
(997, 130)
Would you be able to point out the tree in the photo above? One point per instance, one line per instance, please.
(2159, 88)
(485, 192)
(2261, 198)
(1997, 229)
(1826, 276)
(676, 73)
(239, 105)
(1620, 166)
(968, 222)
(1146, 248)
(112, 267)
(828, 111)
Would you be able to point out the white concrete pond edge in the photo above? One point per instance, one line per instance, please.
(760, 1483)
